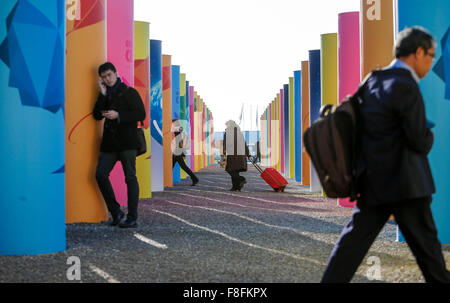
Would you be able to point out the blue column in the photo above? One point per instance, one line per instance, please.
(176, 111)
(435, 87)
(156, 123)
(314, 105)
(298, 124)
(32, 94)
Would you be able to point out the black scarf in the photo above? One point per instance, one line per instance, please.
(111, 90)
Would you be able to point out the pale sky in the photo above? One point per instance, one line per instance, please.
(240, 51)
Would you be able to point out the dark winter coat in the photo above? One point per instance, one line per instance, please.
(237, 152)
(120, 134)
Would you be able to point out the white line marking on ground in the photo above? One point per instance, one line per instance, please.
(297, 212)
(150, 241)
(302, 194)
(297, 231)
(257, 199)
(104, 275)
(272, 250)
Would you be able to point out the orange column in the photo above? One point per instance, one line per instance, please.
(305, 121)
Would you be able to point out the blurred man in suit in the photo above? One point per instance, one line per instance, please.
(395, 176)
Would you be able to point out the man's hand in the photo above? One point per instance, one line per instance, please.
(102, 87)
(111, 114)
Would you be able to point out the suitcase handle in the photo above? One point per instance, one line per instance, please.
(258, 168)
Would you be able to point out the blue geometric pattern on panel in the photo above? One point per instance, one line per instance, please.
(442, 67)
(38, 82)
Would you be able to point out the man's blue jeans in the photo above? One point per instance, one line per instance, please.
(106, 162)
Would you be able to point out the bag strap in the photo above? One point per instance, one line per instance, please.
(355, 103)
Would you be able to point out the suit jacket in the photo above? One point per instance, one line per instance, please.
(394, 140)
(120, 134)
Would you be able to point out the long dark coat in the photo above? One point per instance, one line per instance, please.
(237, 153)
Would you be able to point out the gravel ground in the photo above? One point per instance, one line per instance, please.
(206, 234)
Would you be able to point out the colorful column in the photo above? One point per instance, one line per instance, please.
(192, 129)
(270, 119)
(85, 25)
(176, 178)
(435, 88)
(188, 125)
(167, 119)
(306, 171)
(120, 34)
(329, 72)
(377, 34)
(183, 116)
(196, 133)
(349, 63)
(314, 106)
(156, 115)
(282, 131)
(299, 112)
(278, 132)
(286, 128)
(292, 123)
(32, 134)
(142, 85)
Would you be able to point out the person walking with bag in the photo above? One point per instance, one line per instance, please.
(180, 143)
(394, 174)
(236, 151)
(121, 107)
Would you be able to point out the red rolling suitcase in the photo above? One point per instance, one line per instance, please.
(272, 177)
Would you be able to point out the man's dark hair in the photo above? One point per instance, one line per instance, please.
(410, 39)
(106, 66)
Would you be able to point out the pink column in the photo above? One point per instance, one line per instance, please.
(349, 63)
(282, 129)
(120, 52)
(191, 122)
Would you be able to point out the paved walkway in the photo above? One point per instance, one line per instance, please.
(209, 234)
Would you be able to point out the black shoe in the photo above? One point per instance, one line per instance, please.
(194, 182)
(117, 218)
(233, 188)
(128, 224)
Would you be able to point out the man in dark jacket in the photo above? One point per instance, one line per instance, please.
(236, 151)
(395, 176)
(121, 107)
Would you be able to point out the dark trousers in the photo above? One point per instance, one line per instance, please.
(106, 162)
(236, 179)
(179, 159)
(416, 223)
